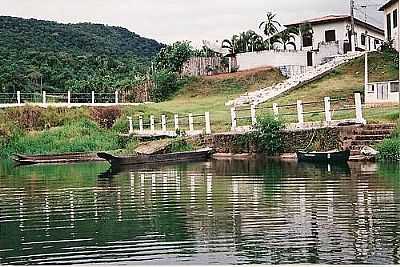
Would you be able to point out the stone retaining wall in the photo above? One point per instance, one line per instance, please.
(323, 139)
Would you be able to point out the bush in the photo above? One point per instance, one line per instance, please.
(390, 149)
(105, 117)
(266, 136)
(166, 85)
(121, 125)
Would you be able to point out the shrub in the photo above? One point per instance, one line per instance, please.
(389, 149)
(105, 117)
(266, 136)
(166, 85)
(121, 125)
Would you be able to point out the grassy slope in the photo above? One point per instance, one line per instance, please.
(344, 82)
(211, 93)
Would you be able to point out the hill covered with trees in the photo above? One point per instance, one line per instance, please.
(36, 54)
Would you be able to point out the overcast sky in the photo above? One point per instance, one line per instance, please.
(172, 20)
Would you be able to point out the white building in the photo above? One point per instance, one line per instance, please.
(391, 10)
(330, 38)
(382, 93)
(334, 31)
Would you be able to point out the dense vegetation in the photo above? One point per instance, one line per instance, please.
(38, 54)
(389, 149)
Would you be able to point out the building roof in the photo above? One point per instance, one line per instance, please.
(335, 18)
(388, 4)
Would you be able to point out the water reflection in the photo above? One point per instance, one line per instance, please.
(231, 211)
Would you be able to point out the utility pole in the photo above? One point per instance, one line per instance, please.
(353, 41)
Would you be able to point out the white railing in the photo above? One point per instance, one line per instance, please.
(166, 126)
(68, 99)
(243, 119)
(328, 113)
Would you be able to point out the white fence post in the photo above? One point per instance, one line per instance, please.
(93, 100)
(300, 111)
(141, 124)
(130, 125)
(328, 113)
(44, 98)
(234, 118)
(208, 122)
(191, 123)
(164, 123)
(116, 97)
(176, 122)
(69, 97)
(253, 111)
(359, 113)
(152, 127)
(276, 110)
(18, 97)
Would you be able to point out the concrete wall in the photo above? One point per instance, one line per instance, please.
(390, 96)
(272, 58)
(395, 35)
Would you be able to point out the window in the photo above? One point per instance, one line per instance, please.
(376, 44)
(330, 36)
(395, 18)
(394, 87)
(307, 40)
(389, 26)
(363, 39)
(371, 88)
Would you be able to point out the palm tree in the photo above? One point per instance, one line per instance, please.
(286, 38)
(269, 27)
(304, 30)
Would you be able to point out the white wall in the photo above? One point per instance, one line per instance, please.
(271, 58)
(395, 35)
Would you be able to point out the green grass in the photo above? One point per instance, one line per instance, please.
(80, 136)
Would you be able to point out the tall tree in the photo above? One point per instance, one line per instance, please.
(270, 27)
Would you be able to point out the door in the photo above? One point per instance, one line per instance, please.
(382, 91)
(310, 59)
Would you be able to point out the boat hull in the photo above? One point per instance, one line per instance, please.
(55, 159)
(331, 157)
(158, 158)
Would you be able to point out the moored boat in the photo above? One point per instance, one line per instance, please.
(329, 156)
(55, 158)
(116, 161)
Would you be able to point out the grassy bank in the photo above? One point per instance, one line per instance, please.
(34, 130)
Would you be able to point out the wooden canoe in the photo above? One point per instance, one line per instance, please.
(55, 158)
(115, 161)
(330, 156)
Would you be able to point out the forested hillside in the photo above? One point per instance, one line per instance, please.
(38, 54)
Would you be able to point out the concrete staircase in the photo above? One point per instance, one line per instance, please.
(263, 95)
(368, 135)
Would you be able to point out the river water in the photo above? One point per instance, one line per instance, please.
(215, 212)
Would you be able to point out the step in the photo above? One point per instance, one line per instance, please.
(364, 143)
(362, 131)
(369, 137)
(386, 126)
